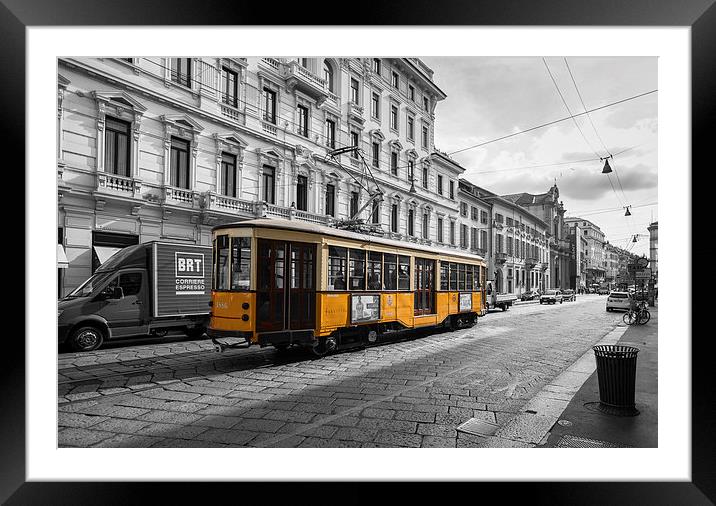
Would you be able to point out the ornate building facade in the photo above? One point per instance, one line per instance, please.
(166, 148)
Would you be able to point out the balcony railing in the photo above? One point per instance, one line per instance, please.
(306, 216)
(272, 62)
(501, 257)
(122, 185)
(230, 112)
(182, 196)
(530, 261)
(215, 201)
(269, 128)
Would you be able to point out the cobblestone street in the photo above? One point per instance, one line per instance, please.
(409, 393)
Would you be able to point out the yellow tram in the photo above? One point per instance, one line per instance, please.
(279, 282)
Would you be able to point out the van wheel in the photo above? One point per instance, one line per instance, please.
(86, 339)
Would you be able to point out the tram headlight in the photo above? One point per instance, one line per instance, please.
(245, 317)
(245, 305)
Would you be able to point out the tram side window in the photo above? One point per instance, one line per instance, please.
(375, 274)
(356, 279)
(468, 277)
(453, 276)
(337, 271)
(461, 277)
(240, 263)
(444, 275)
(222, 262)
(390, 279)
(476, 281)
(403, 273)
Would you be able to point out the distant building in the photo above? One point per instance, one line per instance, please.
(654, 248)
(595, 263)
(548, 208)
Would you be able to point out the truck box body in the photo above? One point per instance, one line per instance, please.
(181, 279)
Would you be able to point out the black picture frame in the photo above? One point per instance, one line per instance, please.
(699, 15)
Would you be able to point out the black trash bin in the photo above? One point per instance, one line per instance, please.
(616, 372)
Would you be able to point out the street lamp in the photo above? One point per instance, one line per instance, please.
(607, 169)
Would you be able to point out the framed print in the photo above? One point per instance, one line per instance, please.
(93, 90)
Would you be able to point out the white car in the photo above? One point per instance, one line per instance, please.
(619, 300)
(551, 297)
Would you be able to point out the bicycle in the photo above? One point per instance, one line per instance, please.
(639, 315)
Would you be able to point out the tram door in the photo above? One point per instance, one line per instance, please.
(424, 286)
(285, 291)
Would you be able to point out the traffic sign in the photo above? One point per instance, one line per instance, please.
(642, 262)
(643, 274)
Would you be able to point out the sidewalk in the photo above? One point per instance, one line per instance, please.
(582, 426)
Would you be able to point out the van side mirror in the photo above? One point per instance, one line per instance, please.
(117, 293)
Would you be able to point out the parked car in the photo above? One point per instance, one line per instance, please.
(551, 297)
(603, 291)
(619, 300)
(530, 295)
(569, 295)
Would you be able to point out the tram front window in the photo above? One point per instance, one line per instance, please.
(221, 280)
(240, 263)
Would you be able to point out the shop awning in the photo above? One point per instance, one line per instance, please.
(62, 262)
(104, 253)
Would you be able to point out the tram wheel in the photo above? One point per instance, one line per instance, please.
(324, 346)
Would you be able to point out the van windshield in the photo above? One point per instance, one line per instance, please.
(89, 286)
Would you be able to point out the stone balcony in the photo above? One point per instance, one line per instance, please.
(223, 203)
(355, 112)
(501, 258)
(306, 81)
(181, 197)
(272, 63)
(113, 184)
(530, 262)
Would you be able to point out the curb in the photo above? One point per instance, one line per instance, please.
(533, 425)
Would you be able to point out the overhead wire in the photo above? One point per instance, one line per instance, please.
(579, 94)
(550, 123)
(568, 109)
(289, 110)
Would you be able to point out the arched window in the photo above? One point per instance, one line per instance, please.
(328, 76)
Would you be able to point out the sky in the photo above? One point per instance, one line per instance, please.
(491, 97)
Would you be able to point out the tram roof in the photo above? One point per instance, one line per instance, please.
(315, 228)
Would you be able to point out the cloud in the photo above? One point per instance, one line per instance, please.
(633, 114)
(581, 185)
